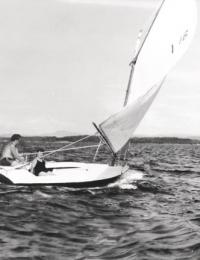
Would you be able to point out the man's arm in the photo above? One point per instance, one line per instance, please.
(16, 154)
(33, 165)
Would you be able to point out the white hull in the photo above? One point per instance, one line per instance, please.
(69, 174)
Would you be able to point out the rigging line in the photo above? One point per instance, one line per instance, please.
(67, 149)
(126, 151)
(61, 148)
(68, 145)
(73, 148)
(81, 147)
(97, 150)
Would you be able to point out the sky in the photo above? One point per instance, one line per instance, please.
(65, 64)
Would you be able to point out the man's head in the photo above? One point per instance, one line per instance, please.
(15, 138)
(40, 152)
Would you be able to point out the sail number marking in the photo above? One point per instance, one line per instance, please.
(182, 38)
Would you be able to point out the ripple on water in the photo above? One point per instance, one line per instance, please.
(153, 217)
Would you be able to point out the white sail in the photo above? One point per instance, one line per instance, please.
(119, 127)
(166, 41)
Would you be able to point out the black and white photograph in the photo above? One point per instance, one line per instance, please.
(99, 129)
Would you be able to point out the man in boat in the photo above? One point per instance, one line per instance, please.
(10, 155)
(38, 166)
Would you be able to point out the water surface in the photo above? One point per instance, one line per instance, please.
(157, 217)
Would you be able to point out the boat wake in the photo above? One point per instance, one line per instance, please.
(128, 180)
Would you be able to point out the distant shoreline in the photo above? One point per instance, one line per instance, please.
(156, 140)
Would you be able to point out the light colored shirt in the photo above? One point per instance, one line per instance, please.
(11, 151)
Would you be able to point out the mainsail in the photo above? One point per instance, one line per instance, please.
(166, 41)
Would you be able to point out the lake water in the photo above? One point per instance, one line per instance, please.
(156, 218)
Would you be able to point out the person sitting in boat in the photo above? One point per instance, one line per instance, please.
(38, 165)
(10, 155)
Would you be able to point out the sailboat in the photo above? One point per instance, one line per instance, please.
(157, 50)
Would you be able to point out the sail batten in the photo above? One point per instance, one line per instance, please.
(165, 42)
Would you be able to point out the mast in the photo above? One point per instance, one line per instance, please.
(132, 64)
(151, 64)
(138, 48)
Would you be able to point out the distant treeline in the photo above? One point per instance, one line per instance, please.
(163, 140)
(157, 140)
